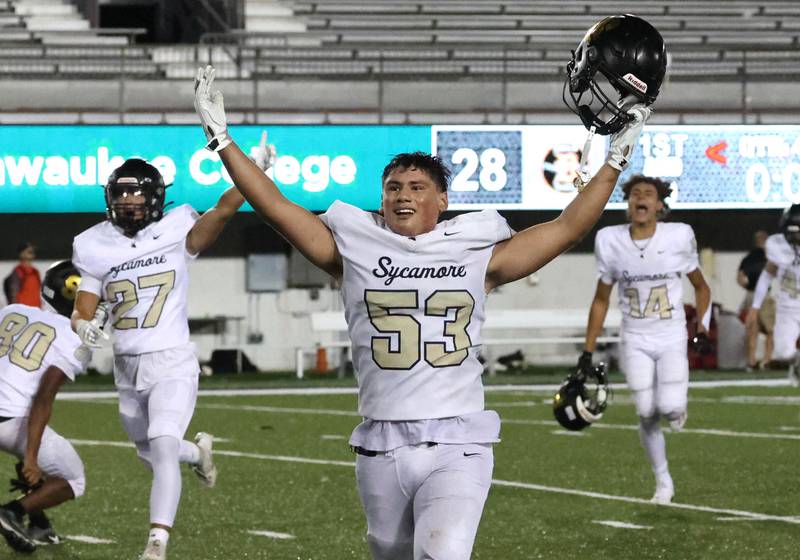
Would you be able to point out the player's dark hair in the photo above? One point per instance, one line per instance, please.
(432, 165)
(662, 187)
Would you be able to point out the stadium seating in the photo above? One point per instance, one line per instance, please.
(502, 46)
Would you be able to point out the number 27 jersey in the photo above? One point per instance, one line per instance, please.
(414, 310)
(145, 278)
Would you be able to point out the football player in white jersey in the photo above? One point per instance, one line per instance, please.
(137, 260)
(649, 258)
(414, 291)
(783, 261)
(38, 353)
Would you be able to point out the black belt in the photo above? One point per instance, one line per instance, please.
(361, 451)
(370, 453)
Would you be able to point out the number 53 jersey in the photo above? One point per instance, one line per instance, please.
(144, 278)
(414, 308)
(650, 275)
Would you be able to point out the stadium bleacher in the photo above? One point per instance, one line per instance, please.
(379, 42)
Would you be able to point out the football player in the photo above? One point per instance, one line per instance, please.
(137, 261)
(414, 290)
(783, 261)
(38, 353)
(649, 258)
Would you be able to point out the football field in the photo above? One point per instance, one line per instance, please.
(286, 488)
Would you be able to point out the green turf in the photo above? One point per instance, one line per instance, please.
(318, 503)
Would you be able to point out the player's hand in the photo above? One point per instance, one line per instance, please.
(210, 108)
(623, 142)
(701, 343)
(32, 473)
(90, 333)
(585, 361)
(264, 155)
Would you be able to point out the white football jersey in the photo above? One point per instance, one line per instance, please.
(414, 310)
(786, 258)
(32, 340)
(145, 279)
(650, 274)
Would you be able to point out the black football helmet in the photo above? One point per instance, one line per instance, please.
(134, 178)
(577, 406)
(789, 224)
(60, 286)
(621, 61)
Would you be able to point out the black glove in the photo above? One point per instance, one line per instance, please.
(701, 344)
(585, 362)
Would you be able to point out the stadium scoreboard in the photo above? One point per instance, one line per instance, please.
(525, 167)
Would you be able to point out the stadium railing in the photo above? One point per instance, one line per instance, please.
(540, 326)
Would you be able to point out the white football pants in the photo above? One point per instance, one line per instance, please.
(56, 458)
(787, 331)
(657, 371)
(424, 502)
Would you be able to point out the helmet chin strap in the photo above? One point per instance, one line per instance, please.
(582, 176)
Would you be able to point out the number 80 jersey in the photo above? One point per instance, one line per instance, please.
(414, 310)
(145, 278)
(650, 275)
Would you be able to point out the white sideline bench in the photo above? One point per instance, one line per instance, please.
(542, 320)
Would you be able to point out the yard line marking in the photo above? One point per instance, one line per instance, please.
(506, 483)
(87, 539)
(749, 399)
(515, 404)
(634, 427)
(622, 524)
(259, 408)
(642, 501)
(271, 534)
(568, 433)
(789, 428)
(333, 436)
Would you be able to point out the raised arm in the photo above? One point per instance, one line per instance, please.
(206, 230)
(532, 248)
(303, 229)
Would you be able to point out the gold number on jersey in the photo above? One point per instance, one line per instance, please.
(127, 290)
(18, 337)
(164, 281)
(657, 304)
(438, 305)
(381, 306)
(789, 283)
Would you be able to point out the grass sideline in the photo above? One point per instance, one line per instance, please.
(285, 468)
(532, 375)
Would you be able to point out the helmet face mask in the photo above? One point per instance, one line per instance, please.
(60, 287)
(134, 196)
(577, 406)
(620, 62)
(789, 224)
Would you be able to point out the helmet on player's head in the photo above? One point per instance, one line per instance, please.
(60, 286)
(135, 195)
(577, 406)
(789, 224)
(620, 62)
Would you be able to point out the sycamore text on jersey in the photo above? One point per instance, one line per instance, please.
(386, 270)
(627, 278)
(137, 263)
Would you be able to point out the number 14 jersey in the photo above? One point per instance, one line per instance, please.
(414, 308)
(650, 275)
